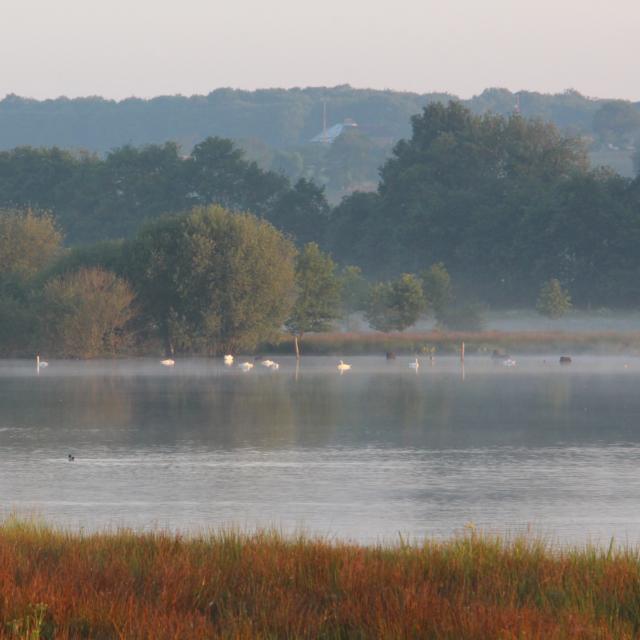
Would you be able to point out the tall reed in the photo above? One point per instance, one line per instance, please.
(56, 584)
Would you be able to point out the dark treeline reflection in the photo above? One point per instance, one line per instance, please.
(370, 406)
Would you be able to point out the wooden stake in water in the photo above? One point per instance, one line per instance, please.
(462, 352)
(38, 364)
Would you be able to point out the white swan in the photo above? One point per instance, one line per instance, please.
(267, 363)
(228, 359)
(414, 365)
(168, 362)
(509, 362)
(246, 366)
(343, 367)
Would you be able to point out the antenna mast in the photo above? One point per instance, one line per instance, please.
(516, 108)
(324, 120)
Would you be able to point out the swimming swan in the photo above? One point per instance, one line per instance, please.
(246, 366)
(343, 367)
(228, 359)
(168, 362)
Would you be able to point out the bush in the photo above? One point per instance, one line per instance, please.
(553, 301)
(86, 314)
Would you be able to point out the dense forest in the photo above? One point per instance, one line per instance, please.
(506, 203)
(146, 248)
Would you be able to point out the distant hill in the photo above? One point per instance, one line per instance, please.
(286, 119)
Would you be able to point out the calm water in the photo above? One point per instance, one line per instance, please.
(366, 455)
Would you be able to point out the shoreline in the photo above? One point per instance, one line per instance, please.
(448, 342)
(413, 343)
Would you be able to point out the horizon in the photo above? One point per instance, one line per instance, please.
(122, 49)
(351, 86)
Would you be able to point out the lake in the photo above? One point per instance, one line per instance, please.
(375, 453)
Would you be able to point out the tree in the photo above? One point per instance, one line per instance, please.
(394, 306)
(19, 324)
(301, 211)
(436, 285)
(553, 301)
(317, 300)
(617, 122)
(212, 280)
(29, 241)
(86, 313)
(354, 290)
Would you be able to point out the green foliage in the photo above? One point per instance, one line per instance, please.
(302, 212)
(29, 241)
(317, 300)
(211, 280)
(86, 314)
(354, 290)
(19, 323)
(436, 285)
(280, 118)
(394, 306)
(505, 202)
(553, 301)
(96, 199)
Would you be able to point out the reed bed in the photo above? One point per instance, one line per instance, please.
(354, 343)
(58, 584)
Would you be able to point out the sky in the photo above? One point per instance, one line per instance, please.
(123, 48)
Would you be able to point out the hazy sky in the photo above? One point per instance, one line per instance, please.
(119, 48)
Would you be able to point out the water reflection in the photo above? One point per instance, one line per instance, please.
(378, 450)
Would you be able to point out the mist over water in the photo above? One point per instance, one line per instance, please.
(366, 455)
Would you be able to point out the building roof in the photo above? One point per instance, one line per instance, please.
(330, 135)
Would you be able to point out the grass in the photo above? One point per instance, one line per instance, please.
(57, 584)
(475, 342)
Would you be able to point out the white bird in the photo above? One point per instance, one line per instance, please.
(43, 364)
(274, 366)
(509, 362)
(246, 366)
(414, 365)
(228, 359)
(343, 367)
(268, 363)
(168, 362)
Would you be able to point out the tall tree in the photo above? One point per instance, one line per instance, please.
(211, 280)
(436, 285)
(394, 306)
(86, 314)
(317, 300)
(29, 241)
(554, 301)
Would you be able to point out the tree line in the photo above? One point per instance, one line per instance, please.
(283, 118)
(506, 203)
(207, 281)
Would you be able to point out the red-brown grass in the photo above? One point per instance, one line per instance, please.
(55, 584)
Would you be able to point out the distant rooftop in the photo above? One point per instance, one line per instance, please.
(330, 135)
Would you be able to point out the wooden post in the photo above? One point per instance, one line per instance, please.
(462, 352)
(297, 346)
(38, 363)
